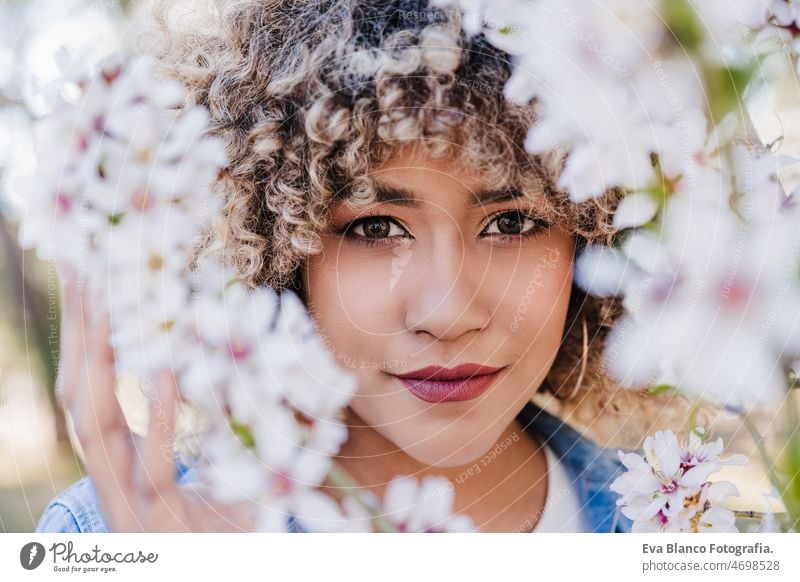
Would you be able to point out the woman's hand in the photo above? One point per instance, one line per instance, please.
(135, 483)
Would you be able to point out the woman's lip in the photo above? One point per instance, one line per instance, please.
(450, 390)
(440, 374)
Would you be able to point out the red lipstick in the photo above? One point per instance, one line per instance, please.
(438, 384)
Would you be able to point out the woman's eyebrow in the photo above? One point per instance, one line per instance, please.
(403, 197)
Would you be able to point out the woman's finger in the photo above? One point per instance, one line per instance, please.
(159, 448)
(71, 358)
(101, 428)
(157, 483)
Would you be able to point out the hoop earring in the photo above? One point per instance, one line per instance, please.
(584, 361)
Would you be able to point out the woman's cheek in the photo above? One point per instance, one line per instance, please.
(363, 292)
(536, 302)
(349, 306)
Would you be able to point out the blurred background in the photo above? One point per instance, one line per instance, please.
(36, 457)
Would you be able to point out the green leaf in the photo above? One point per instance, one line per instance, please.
(683, 23)
(791, 467)
(661, 388)
(115, 218)
(245, 435)
(725, 87)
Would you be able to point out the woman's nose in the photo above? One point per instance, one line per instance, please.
(447, 299)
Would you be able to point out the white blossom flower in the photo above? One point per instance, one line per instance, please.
(689, 154)
(635, 209)
(264, 462)
(785, 13)
(706, 270)
(108, 148)
(423, 506)
(57, 220)
(612, 87)
(408, 505)
(668, 490)
(730, 23)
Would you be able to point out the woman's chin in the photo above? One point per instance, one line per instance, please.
(445, 452)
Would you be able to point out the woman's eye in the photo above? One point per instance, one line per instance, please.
(376, 227)
(515, 223)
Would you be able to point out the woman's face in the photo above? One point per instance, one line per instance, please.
(441, 273)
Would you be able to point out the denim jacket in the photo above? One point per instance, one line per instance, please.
(592, 469)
